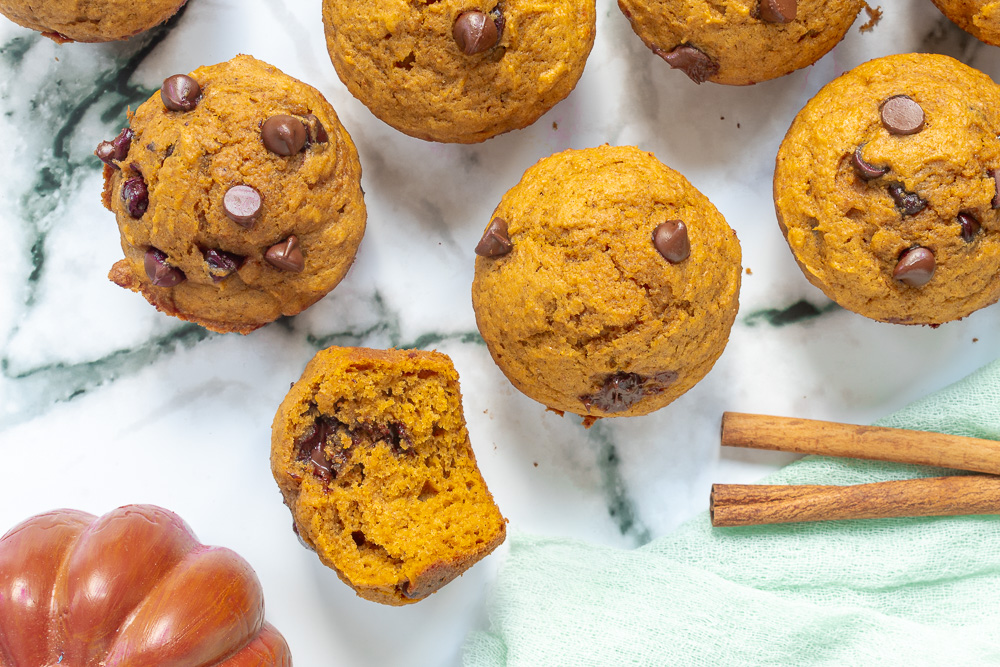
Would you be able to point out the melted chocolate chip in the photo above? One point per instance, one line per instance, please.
(902, 115)
(995, 173)
(160, 273)
(969, 226)
(915, 267)
(115, 150)
(619, 393)
(475, 32)
(136, 196)
(313, 446)
(778, 11)
(315, 132)
(286, 255)
(396, 435)
(283, 135)
(180, 93)
(495, 241)
(909, 203)
(222, 263)
(671, 240)
(865, 169)
(242, 204)
(696, 64)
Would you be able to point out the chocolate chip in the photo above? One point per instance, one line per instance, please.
(778, 11)
(136, 196)
(105, 152)
(696, 64)
(495, 241)
(915, 267)
(671, 240)
(180, 93)
(159, 272)
(286, 255)
(902, 115)
(498, 18)
(909, 203)
(475, 32)
(115, 150)
(969, 226)
(221, 263)
(619, 392)
(865, 169)
(283, 134)
(316, 133)
(995, 173)
(242, 204)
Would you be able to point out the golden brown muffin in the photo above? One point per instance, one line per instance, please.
(238, 196)
(885, 188)
(981, 18)
(740, 42)
(455, 70)
(89, 21)
(606, 284)
(372, 456)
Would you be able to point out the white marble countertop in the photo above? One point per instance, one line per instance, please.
(105, 402)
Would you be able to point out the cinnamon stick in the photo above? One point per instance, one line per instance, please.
(758, 504)
(808, 436)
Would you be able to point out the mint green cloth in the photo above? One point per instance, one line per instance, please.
(872, 592)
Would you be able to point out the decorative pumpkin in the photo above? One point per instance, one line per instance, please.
(133, 588)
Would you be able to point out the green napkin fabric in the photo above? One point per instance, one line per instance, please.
(869, 592)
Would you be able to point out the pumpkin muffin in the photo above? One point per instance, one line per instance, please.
(371, 454)
(885, 188)
(981, 18)
(93, 21)
(606, 285)
(455, 70)
(238, 196)
(740, 42)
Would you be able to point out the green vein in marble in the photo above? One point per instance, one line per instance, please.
(47, 384)
(427, 340)
(12, 53)
(387, 328)
(621, 507)
(64, 104)
(800, 311)
(61, 382)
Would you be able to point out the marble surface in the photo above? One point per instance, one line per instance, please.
(105, 402)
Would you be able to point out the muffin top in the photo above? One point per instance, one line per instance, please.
(606, 284)
(740, 42)
(458, 71)
(92, 21)
(237, 194)
(885, 188)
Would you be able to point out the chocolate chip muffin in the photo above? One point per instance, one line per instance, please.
(606, 284)
(886, 189)
(238, 196)
(372, 456)
(459, 71)
(981, 18)
(92, 21)
(740, 42)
